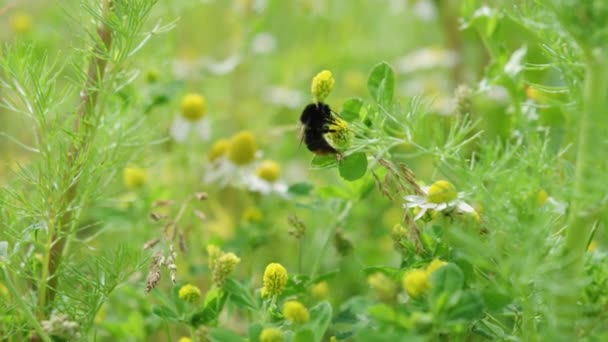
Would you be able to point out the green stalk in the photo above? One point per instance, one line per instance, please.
(588, 193)
(24, 307)
(330, 236)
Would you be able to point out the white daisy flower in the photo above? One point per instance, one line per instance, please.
(192, 116)
(440, 196)
(267, 179)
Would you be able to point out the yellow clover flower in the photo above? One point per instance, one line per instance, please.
(271, 335)
(275, 279)
(189, 293)
(193, 106)
(322, 85)
(242, 147)
(441, 192)
(295, 311)
(184, 339)
(320, 290)
(384, 287)
(416, 282)
(269, 170)
(224, 266)
(134, 177)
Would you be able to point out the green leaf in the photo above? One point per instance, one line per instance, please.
(447, 287)
(320, 317)
(254, 332)
(239, 295)
(381, 83)
(469, 307)
(224, 335)
(495, 300)
(323, 162)
(333, 191)
(351, 109)
(165, 313)
(213, 305)
(325, 276)
(304, 335)
(447, 279)
(354, 166)
(300, 189)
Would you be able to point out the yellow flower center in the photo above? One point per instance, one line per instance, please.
(218, 149)
(134, 178)
(441, 192)
(322, 85)
(269, 171)
(193, 107)
(242, 147)
(21, 23)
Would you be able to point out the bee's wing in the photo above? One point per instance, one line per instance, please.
(302, 128)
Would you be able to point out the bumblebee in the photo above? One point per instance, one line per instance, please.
(323, 131)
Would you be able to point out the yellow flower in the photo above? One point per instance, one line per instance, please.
(214, 253)
(189, 293)
(252, 215)
(271, 335)
(134, 177)
(185, 339)
(339, 133)
(269, 170)
(275, 279)
(193, 107)
(435, 265)
(21, 22)
(295, 311)
(333, 339)
(100, 316)
(591, 248)
(218, 149)
(416, 282)
(224, 266)
(322, 85)
(541, 197)
(3, 290)
(384, 287)
(242, 147)
(320, 290)
(441, 192)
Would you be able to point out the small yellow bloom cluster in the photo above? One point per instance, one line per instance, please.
(269, 170)
(134, 177)
(384, 287)
(221, 264)
(295, 312)
(271, 335)
(441, 191)
(322, 85)
(193, 107)
(416, 282)
(184, 339)
(275, 279)
(189, 293)
(241, 149)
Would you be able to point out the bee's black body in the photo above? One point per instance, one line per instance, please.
(315, 119)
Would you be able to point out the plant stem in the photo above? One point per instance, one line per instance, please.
(332, 232)
(588, 193)
(24, 308)
(61, 225)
